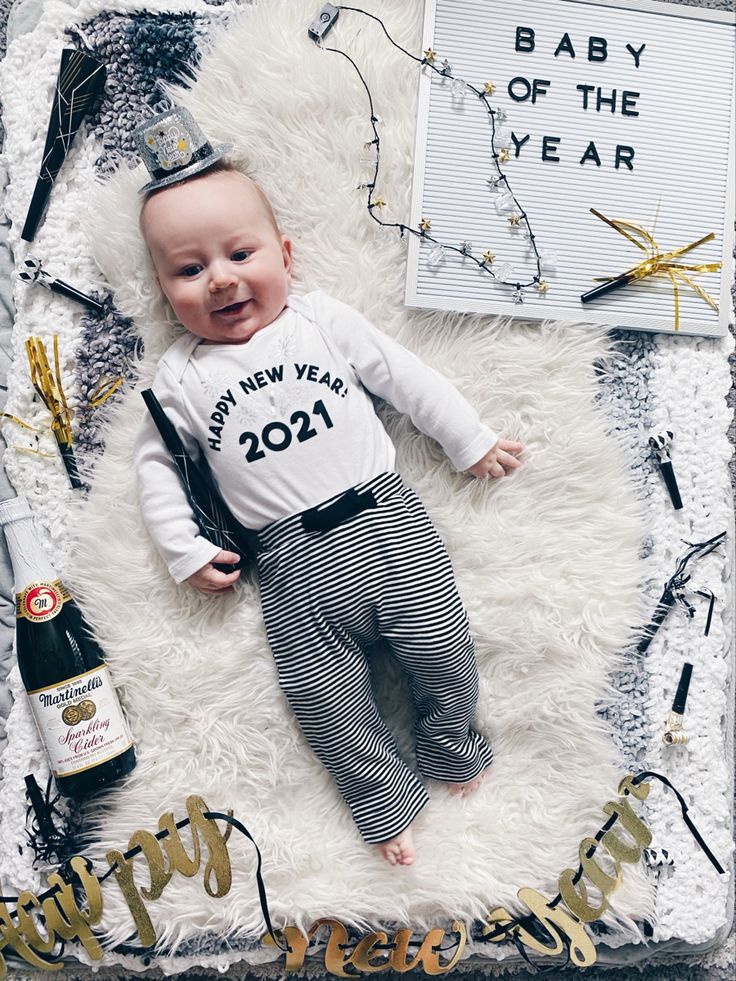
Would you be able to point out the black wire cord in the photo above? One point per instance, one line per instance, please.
(423, 234)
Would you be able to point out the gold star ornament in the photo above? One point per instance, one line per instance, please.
(542, 286)
(514, 219)
(488, 257)
(425, 224)
(488, 88)
(503, 155)
(429, 56)
(378, 202)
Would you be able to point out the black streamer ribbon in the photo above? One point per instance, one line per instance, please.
(675, 590)
(44, 835)
(711, 597)
(263, 899)
(685, 816)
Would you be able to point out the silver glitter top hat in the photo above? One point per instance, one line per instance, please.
(173, 147)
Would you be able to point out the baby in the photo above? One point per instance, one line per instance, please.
(274, 389)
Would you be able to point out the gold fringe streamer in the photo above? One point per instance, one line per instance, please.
(25, 425)
(50, 389)
(660, 263)
(53, 395)
(103, 391)
(27, 449)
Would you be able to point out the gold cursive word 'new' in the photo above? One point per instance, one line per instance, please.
(372, 952)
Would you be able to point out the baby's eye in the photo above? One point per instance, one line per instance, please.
(240, 256)
(190, 270)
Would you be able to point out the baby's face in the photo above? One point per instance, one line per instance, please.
(219, 260)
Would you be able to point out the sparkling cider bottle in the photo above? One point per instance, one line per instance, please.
(62, 668)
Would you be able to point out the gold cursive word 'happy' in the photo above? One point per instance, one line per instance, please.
(59, 916)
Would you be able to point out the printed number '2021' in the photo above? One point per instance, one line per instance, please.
(277, 436)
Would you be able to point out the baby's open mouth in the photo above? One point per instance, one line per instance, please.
(232, 309)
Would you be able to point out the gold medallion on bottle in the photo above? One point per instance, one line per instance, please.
(41, 601)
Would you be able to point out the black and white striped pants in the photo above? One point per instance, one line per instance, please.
(382, 573)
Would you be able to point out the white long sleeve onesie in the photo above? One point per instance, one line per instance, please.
(285, 420)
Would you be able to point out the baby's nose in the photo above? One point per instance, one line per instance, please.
(220, 278)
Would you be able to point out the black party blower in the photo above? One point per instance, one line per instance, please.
(79, 83)
(214, 518)
(673, 733)
(678, 705)
(609, 286)
(660, 443)
(33, 272)
(668, 474)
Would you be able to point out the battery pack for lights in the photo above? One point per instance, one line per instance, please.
(323, 21)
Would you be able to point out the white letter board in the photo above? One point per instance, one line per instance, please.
(677, 117)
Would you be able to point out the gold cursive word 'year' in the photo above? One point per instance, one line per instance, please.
(555, 923)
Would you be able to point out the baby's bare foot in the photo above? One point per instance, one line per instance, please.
(398, 850)
(463, 789)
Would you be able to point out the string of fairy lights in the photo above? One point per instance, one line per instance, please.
(498, 182)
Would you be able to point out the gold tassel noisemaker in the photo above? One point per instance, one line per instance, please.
(50, 390)
(657, 263)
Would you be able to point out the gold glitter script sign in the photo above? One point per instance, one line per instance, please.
(68, 914)
(69, 909)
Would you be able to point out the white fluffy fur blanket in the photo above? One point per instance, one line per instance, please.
(546, 561)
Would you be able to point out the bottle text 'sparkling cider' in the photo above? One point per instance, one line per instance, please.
(62, 668)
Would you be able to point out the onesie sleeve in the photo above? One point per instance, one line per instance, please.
(166, 510)
(393, 373)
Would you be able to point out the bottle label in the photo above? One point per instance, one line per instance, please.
(80, 721)
(41, 601)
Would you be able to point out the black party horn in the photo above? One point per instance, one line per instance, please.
(213, 517)
(32, 271)
(660, 443)
(79, 83)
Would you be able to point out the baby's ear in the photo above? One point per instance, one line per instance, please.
(286, 252)
(154, 271)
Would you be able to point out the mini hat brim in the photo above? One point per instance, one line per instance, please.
(179, 175)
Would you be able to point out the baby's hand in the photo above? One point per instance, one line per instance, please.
(211, 580)
(499, 460)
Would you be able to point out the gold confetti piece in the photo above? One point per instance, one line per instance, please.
(103, 391)
(25, 425)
